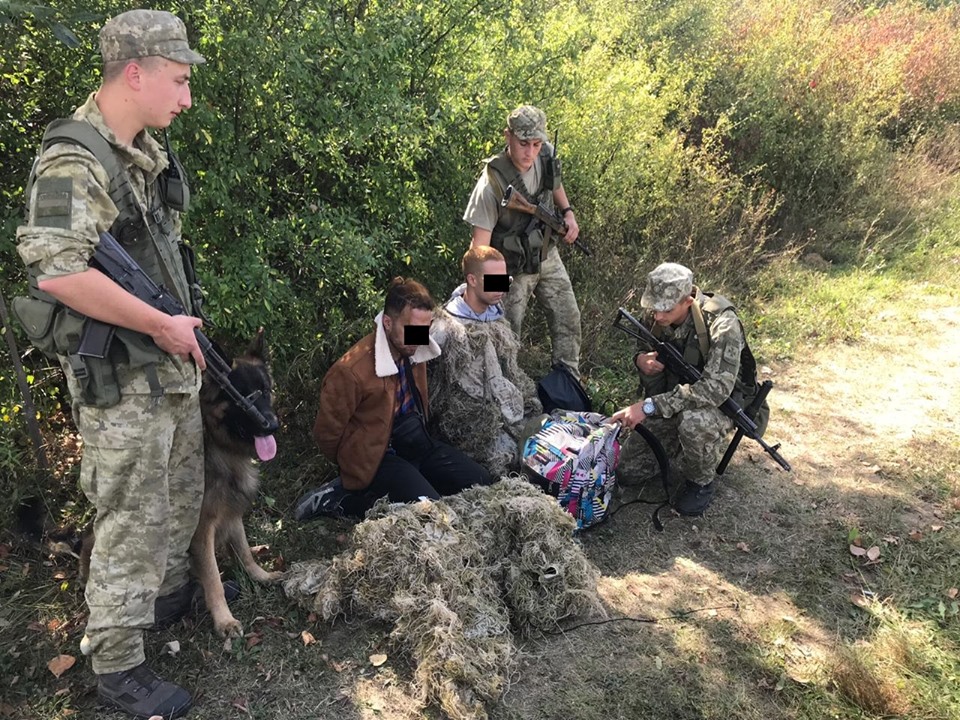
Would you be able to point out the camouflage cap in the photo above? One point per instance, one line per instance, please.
(528, 123)
(146, 33)
(667, 284)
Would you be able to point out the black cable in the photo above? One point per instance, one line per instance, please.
(652, 621)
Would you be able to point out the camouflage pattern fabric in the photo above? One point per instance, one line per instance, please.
(84, 211)
(528, 123)
(555, 296)
(143, 470)
(698, 423)
(142, 464)
(146, 33)
(667, 284)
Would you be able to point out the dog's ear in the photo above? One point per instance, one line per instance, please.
(258, 347)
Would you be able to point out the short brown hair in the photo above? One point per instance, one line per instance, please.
(475, 257)
(404, 293)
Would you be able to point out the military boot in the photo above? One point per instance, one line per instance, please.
(142, 693)
(695, 499)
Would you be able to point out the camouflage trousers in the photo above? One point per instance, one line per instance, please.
(555, 296)
(142, 469)
(694, 440)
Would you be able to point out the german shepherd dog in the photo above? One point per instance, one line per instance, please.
(232, 440)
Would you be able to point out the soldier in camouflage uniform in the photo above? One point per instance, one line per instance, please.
(143, 442)
(687, 417)
(527, 163)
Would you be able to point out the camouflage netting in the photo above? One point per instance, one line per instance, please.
(479, 395)
(458, 578)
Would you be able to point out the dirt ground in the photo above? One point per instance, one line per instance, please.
(765, 583)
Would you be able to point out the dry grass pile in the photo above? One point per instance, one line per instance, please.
(457, 579)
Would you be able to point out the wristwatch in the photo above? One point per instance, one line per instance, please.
(649, 407)
(568, 208)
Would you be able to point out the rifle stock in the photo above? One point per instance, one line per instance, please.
(673, 359)
(512, 200)
(113, 261)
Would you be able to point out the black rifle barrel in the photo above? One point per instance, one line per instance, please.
(113, 261)
(673, 359)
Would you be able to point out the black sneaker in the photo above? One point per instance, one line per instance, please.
(325, 500)
(142, 693)
(695, 499)
(172, 607)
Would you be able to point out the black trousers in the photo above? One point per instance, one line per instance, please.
(435, 470)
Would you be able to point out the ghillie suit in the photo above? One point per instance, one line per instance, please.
(457, 578)
(479, 396)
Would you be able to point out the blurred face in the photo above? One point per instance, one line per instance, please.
(522, 153)
(395, 328)
(675, 315)
(475, 282)
(165, 91)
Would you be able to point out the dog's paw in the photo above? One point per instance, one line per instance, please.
(228, 627)
(262, 576)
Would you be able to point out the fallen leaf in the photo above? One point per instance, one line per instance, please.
(743, 547)
(67, 712)
(53, 625)
(859, 600)
(857, 551)
(259, 550)
(172, 648)
(254, 639)
(891, 540)
(228, 644)
(378, 659)
(936, 528)
(308, 638)
(658, 661)
(60, 664)
(952, 593)
(873, 554)
(915, 535)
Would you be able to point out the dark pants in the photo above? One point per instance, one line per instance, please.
(424, 468)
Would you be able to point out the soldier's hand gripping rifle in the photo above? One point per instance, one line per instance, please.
(540, 214)
(673, 359)
(113, 261)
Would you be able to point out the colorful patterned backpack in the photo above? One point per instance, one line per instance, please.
(574, 457)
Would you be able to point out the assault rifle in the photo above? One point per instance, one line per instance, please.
(673, 359)
(540, 214)
(113, 261)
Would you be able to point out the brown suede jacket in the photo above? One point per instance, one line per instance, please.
(357, 405)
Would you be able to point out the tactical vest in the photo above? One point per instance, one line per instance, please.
(698, 343)
(148, 235)
(521, 241)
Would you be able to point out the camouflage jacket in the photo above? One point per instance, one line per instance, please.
(65, 247)
(720, 369)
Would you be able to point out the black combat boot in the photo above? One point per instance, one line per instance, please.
(695, 499)
(142, 693)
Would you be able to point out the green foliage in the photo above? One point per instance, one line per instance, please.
(332, 145)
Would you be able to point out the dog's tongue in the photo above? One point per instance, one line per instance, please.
(266, 447)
